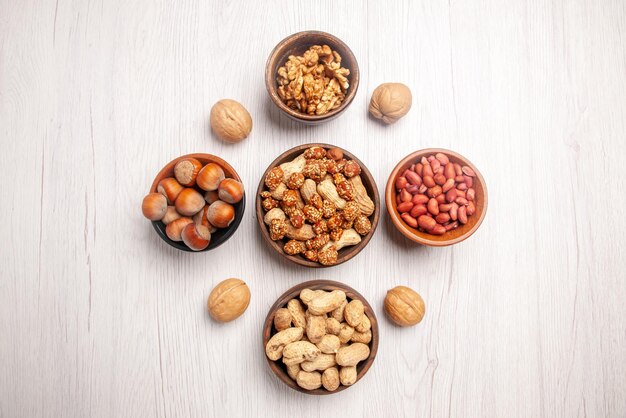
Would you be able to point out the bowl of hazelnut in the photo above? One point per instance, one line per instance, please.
(317, 205)
(196, 202)
(320, 337)
(312, 76)
(436, 197)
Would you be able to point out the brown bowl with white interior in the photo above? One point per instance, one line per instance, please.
(296, 45)
(278, 366)
(354, 237)
(441, 209)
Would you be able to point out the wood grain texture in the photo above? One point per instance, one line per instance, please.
(99, 317)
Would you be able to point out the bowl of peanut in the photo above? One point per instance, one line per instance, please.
(436, 197)
(320, 337)
(317, 205)
(312, 76)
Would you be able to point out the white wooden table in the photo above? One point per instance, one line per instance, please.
(98, 317)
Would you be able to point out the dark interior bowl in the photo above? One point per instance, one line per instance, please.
(346, 253)
(451, 237)
(280, 369)
(221, 235)
(297, 44)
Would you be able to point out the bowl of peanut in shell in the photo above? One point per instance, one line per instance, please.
(317, 205)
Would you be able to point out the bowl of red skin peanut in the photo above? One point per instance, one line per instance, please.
(436, 197)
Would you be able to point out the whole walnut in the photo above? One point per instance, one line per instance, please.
(228, 300)
(230, 120)
(390, 101)
(404, 306)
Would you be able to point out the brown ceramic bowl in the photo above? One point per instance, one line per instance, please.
(451, 237)
(297, 44)
(279, 368)
(346, 253)
(221, 235)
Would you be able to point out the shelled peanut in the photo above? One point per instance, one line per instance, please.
(321, 338)
(436, 195)
(317, 204)
(194, 203)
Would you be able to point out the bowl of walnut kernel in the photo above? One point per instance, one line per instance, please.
(312, 76)
(317, 205)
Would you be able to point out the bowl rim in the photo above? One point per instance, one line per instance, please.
(395, 216)
(294, 291)
(297, 259)
(238, 216)
(270, 78)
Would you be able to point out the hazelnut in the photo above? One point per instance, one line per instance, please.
(221, 214)
(189, 202)
(210, 176)
(230, 191)
(169, 188)
(186, 171)
(196, 237)
(211, 196)
(154, 206)
(390, 102)
(230, 121)
(404, 306)
(201, 218)
(175, 228)
(170, 216)
(228, 300)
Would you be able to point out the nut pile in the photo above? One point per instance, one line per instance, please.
(322, 345)
(436, 195)
(317, 203)
(315, 82)
(190, 216)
